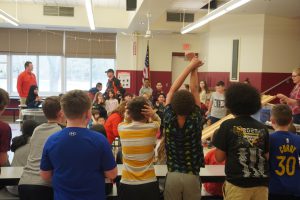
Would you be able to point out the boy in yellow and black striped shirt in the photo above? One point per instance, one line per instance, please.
(138, 139)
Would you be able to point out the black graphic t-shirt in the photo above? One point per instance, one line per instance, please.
(245, 141)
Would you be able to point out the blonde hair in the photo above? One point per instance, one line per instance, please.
(120, 109)
(297, 70)
(161, 152)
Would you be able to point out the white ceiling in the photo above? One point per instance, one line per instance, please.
(281, 8)
(120, 4)
(188, 5)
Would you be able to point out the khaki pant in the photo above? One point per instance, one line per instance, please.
(232, 192)
(180, 186)
(23, 101)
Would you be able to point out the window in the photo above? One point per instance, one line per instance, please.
(55, 74)
(99, 66)
(3, 72)
(78, 73)
(50, 74)
(17, 62)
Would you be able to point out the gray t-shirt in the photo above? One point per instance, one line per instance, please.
(19, 160)
(31, 173)
(144, 90)
(218, 109)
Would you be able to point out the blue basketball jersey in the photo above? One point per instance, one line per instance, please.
(284, 163)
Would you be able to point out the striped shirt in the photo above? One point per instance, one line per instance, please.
(138, 140)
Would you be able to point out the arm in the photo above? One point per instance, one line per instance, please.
(220, 155)
(149, 113)
(287, 100)
(46, 175)
(111, 174)
(19, 85)
(209, 106)
(3, 158)
(179, 81)
(194, 84)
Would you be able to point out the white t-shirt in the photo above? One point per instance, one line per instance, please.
(218, 109)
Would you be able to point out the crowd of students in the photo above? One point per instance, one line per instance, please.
(63, 159)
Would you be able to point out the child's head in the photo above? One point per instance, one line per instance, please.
(146, 82)
(110, 73)
(76, 105)
(128, 97)
(33, 91)
(51, 108)
(99, 98)
(96, 114)
(101, 120)
(242, 99)
(111, 94)
(203, 86)
(120, 109)
(146, 96)
(28, 127)
(159, 86)
(99, 86)
(281, 115)
(183, 102)
(4, 100)
(220, 86)
(134, 108)
(99, 128)
(161, 98)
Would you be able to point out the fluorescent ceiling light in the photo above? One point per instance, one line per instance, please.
(227, 7)
(89, 11)
(9, 18)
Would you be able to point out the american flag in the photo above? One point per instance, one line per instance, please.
(146, 71)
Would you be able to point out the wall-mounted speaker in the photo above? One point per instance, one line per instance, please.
(130, 5)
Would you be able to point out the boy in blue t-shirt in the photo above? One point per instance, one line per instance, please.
(77, 160)
(284, 157)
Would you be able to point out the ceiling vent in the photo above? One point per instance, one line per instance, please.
(180, 17)
(59, 11)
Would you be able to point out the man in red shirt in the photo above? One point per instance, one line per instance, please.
(25, 80)
(5, 130)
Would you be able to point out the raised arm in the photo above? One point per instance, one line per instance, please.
(194, 85)
(195, 63)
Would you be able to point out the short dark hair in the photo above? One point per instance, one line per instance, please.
(4, 99)
(282, 114)
(99, 128)
(183, 102)
(220, 83)
(162, 94)
(98, 84)
(51, 107)
(242, 99)
(75, 103)
(27, 63)
(135, 107)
